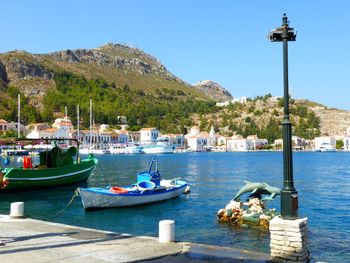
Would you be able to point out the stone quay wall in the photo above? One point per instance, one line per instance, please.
(289, 242)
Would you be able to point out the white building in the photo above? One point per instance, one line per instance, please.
(239, 100)
(346, 142)
(176, 139)
(134, 136)
(242, 100)
(221, 140)
(3, 125)
(197, 140)
(42, 133)
(64, 128)
(149, 135)
(12, 126)
(327, 141)
(237, 143)
(257, 143)
(222, 104)
(104, 127)
(298, 143)
(212, 137)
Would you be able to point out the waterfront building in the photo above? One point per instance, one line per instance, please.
(3, 125)
(221, 140)
(240, 144)
(321, 142)
(134, 136)
(176, 139)
(196, 140)
(149, 135)
(82, 135)
(12, 126)
(212, 137)
(104, 127)
(64, 128)
(42, 133)
(121, 136)
(346, 142)
(258, 144)
(298, 143)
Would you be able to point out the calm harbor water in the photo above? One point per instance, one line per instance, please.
(321, 179)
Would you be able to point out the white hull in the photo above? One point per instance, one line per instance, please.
(125, 149)
(158, 149)
(103, 198)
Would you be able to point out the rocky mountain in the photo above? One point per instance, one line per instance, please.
(213, 90)
(124, 65)
(264, 114)
(121, 65)
(332, 121)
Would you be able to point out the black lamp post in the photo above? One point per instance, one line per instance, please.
(289, 196)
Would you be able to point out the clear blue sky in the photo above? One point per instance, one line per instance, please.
(224, 41)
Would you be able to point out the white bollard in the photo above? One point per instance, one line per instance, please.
(166, 231)
(17, 210)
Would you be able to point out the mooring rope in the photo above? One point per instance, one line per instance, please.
(76, 193)
(104, 175)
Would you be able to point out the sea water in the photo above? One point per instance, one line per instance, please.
(321, 179)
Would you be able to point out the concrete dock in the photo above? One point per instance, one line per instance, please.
(29, 240)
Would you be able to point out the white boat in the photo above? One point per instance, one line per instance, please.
(149, 189)
(93, 197)
(161, 146)
(125, 148)
(326, 147)
(93, 150)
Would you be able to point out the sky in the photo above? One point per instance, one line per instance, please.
(223, 41)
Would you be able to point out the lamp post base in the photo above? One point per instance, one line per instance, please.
(289, 204)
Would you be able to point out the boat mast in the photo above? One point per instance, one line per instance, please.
(19, 117)
(66, 122)
(90, 123)
(78, 117)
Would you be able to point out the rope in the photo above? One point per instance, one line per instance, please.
(76, 193)
(104, 175)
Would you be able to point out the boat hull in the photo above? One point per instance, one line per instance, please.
(158, 149)
(20, 178)
(93, 198)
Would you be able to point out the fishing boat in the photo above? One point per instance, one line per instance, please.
(56, 167)
(150, 188)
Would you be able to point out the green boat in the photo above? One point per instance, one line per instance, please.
(57, 167)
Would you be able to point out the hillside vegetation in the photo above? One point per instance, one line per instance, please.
(262, 116)
(125, 81)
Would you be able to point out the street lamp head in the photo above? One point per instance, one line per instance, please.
(276, 35)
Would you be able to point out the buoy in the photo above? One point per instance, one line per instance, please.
(118, 190)
(166, 231)
(17, 210)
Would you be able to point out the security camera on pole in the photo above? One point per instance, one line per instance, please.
(288, 233)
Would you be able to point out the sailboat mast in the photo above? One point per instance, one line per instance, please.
(66, 120)
(90, 122)
(19, 116)
(78, 123)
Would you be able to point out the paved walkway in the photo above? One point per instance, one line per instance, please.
(28, 240)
